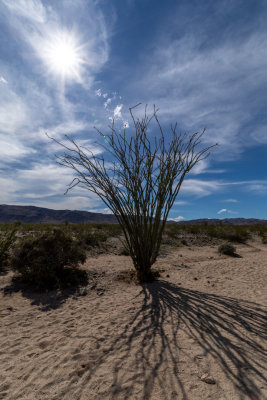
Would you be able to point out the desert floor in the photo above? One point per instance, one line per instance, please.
(196, 333)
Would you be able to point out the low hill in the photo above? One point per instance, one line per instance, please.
(225, 221)
(32, 214)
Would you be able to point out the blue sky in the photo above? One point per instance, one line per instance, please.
(67, 66)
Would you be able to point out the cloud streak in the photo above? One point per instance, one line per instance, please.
(210, 86)
(224, 210)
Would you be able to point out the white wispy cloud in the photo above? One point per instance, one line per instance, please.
(257, 187)
(199, 188)
(117, 111)
(176, 219)
(224, 210)
(180, 203)
(65, 128)
(13, 149)
(14, 113)
(260, 134)
(3, 80)
(231, 200)
(105, 210)
(212, 87)
(44, 185)
(30, 9)
(107, 102)
(8, 195)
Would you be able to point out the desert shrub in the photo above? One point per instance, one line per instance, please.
(6, 242)
(264, 237)
(111, 229)
(227, 248)
(172, 231)
(87, 238)
(236, 234)
(49, 261)
(124, 252)
(193, 229)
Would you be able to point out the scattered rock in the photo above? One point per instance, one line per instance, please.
(208, 379)
(208, 281)
(195, 279)
(10, 308)
(93, 286)
(83, 292)
(167, 276)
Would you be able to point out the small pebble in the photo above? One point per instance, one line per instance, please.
(195, 279)
(208, 379)
(167, 276)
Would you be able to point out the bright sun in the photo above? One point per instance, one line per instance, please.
(63, 56)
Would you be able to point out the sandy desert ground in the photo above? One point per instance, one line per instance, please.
(196, 333)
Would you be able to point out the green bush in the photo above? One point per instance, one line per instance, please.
(88, 238)
(49, 261)
(236, 234)
(124, 252)
(6, 242)
(262, 232)
(227, 248)
(264, 238)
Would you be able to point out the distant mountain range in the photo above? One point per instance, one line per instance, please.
(32, 214)
(225, 221)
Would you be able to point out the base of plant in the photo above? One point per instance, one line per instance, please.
(146, 276)
(132, 276)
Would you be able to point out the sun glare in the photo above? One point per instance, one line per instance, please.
(63, 56)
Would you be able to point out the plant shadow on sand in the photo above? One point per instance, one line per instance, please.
(148, 351)
(46, 300)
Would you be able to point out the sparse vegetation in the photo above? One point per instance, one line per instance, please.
(88, 238)
(7, 240)
(49, 261)
(15, 239)
(235, 233)
(124, 252)
(227, 249)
